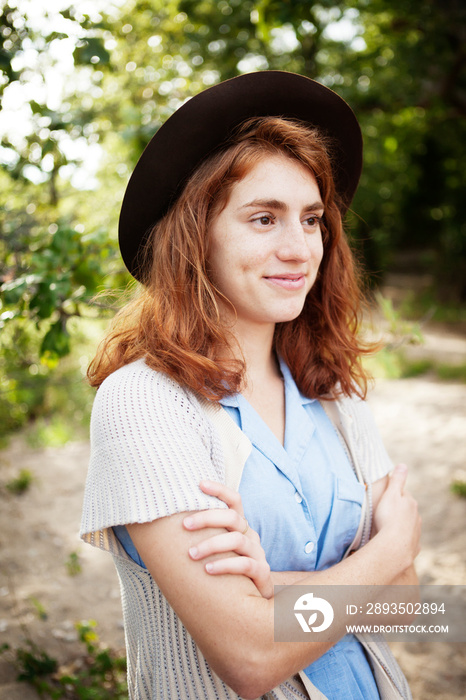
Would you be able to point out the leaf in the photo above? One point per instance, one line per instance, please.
(56, 342)
(34, 663)
(36, 107)
(90, 48)
(11, 292)
(44, 302)
(55, 35)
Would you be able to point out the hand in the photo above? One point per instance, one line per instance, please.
(396, 515)
(240, 538)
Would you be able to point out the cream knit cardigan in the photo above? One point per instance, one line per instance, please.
(152, 442)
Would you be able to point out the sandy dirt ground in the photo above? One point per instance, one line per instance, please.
(423, 423)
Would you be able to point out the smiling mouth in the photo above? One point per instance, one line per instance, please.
(292, 281)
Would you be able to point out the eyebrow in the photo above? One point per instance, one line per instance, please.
(277, 204)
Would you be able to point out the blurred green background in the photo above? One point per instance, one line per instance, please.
(83, 87)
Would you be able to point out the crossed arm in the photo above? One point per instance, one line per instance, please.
(229, 609)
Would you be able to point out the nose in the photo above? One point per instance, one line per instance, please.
(294, 242)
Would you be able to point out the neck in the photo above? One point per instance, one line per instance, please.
(263, 384)
(255, 346)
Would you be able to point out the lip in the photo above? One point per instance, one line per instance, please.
(289, 281)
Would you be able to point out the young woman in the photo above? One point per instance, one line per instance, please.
(231, 446)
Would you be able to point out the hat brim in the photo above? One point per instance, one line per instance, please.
(207, 120)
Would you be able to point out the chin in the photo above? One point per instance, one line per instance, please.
(290, 315)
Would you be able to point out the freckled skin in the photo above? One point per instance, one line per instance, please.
(266, 245)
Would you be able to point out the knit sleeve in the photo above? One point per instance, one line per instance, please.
(359, 430)
(150, 448)
(369, 444)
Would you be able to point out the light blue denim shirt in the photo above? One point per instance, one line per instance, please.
(305, 502)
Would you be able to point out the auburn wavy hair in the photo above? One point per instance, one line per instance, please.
(174, 321)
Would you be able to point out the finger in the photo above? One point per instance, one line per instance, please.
(226, 542)
(259, 573)
(217, 517)
(399, 476)
(225, 493)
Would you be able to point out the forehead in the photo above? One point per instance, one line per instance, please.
(278, 175)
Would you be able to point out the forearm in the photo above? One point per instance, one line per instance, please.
(272, 663)
(231, 622)
(392, 575)
(244, 653)
(288, 578)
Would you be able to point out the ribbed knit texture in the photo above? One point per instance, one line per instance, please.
(150, 448)
(356, 421)
(152, 442)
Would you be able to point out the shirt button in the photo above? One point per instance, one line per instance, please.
(298, 498)
(308, 547)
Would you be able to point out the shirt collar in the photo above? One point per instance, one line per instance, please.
(230, 401)
(290, 384)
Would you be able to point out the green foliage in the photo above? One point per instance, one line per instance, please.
(391, 363)
(73, 565)
(400, 330)
(459, 488)
(425, 303)
(35, 664)
(12, 37)
(415, 368)
(90, 49)
(20, 396)
(451, 372)
(400, 64)
(54, 430)
(99, 674)
(21, 483)
(39, 608)
(52, 402)
(51, 283)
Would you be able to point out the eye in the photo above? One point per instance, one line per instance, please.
(313, 220)
(264, 219)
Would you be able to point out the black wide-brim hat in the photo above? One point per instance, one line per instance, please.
(204, 123)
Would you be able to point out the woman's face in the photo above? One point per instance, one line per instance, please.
(266, 245)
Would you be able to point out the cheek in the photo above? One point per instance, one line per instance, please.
(320, 252)
(216, 256)
(228, 256)
(317, 249)
(252, 259)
